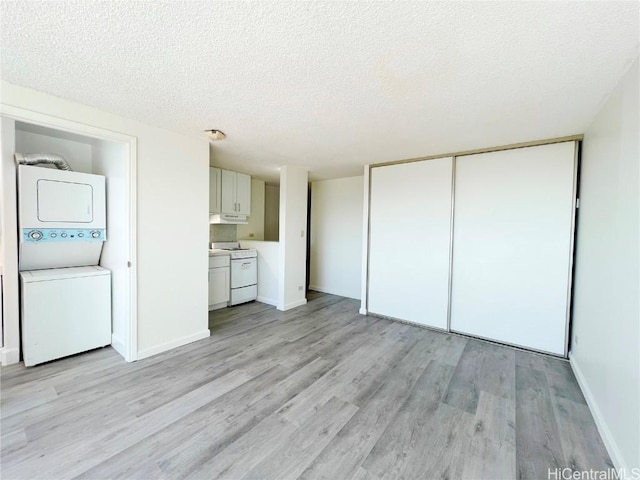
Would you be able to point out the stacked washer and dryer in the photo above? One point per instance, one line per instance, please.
(65, 294)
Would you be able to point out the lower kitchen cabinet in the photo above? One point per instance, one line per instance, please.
(219, 282)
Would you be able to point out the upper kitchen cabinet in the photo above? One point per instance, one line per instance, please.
(215, 178)
(236, 193)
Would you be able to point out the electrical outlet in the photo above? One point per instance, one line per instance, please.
(575, 340)
(299, 288)
(251, 235)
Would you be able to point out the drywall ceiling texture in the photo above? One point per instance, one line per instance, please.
(329, 86)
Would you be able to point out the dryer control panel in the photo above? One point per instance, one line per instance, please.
(48, 235)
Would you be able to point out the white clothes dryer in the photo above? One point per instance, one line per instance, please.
(62, 218)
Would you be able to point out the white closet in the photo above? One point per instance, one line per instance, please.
(512, 245)
(496, 263)
(410, 237)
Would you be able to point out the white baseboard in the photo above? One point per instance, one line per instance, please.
(268, 301)
(291, 305)
(362, 311)
(218, 306)
(118, 346)
(163, 347)
(605, 433)
(9, 356)
(330, 291)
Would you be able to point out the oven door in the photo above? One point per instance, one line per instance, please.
(244, 272)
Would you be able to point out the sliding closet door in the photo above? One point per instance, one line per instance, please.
(512, 245)
(410, 226)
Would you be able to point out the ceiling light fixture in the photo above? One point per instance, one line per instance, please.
(215, 134)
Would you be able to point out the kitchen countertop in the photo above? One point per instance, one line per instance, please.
(217, 252)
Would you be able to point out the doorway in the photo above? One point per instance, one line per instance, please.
(90, 150)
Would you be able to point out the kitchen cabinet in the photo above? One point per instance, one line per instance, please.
(219, 281)
(235, 193)
(215, 179)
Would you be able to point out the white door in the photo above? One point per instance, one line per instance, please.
(214, 189)
(410, 233)
(228, 192)
(243, 193)
(512, 245)
(218, 285)
(244, 272)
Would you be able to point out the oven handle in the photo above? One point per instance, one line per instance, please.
(243, 261)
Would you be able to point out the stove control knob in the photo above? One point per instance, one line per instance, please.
(53, 235)
(95, 234)
(81, 234)
(63, 235)
(35, 235)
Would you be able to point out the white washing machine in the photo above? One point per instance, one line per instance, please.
(62, 218)
(64, 311)
(65, 296)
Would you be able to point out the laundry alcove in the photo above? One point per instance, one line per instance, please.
(87, 150)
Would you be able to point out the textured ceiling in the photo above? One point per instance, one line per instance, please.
(329, 85)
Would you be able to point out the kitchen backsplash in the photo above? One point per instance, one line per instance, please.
(223, 233)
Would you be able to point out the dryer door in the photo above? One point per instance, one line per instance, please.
(65, 202)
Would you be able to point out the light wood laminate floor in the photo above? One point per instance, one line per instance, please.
(315, 392)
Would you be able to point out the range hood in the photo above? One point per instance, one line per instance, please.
(228, 218)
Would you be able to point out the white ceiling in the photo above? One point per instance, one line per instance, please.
(329, 85)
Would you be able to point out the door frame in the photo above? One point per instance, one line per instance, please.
(130, 342)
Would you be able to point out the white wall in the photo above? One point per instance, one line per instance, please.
(108, 159)
(254, 230)
(606, 316)
(172, 233)
(268, 257)
(336, 236)
(292, 265)
(364, 274)
(271, 213)
(77, 154)
(9, 246)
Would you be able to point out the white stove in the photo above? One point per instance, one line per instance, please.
(234, 250)
(244, 272)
